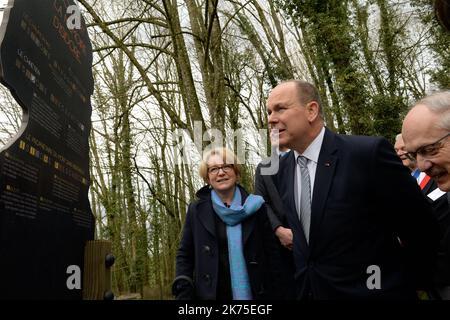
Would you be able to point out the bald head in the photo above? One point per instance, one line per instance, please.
(439, 104)
(418, 121)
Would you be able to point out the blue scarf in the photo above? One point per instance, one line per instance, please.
(232, 217)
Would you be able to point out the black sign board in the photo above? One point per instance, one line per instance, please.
(45, 216)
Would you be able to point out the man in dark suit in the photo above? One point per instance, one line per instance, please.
(440, 203)
(426, 133)
(349, 201)
(276, 212)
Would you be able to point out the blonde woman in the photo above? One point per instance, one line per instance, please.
(227, 242)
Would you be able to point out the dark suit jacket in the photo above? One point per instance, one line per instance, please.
(363, 201)
(441, 211)
(276, 212)
(198, 257)
(265, 187)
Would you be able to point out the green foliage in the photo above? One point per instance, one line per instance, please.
(371, 103)
(439, 42)
(388, 111)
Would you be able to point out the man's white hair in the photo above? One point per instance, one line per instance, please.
(438, 103)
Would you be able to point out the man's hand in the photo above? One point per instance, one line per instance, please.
(285, 236)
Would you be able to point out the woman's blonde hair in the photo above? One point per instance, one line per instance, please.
(228, 157)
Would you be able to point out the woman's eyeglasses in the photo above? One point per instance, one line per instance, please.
(225, 168)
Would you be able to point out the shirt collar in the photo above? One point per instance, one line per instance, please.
(313, 150)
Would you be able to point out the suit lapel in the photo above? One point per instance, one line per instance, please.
(206, 214)
(326, 166)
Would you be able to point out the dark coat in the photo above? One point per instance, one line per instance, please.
(441, 211)
(265, 187)
(363, 202)
(197, 260)
(276, 212)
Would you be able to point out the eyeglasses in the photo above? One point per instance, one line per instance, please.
(428, 150)
(225, 168)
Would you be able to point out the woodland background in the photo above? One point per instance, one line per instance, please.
(165, 65)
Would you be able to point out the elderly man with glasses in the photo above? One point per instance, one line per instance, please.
(426, 133)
